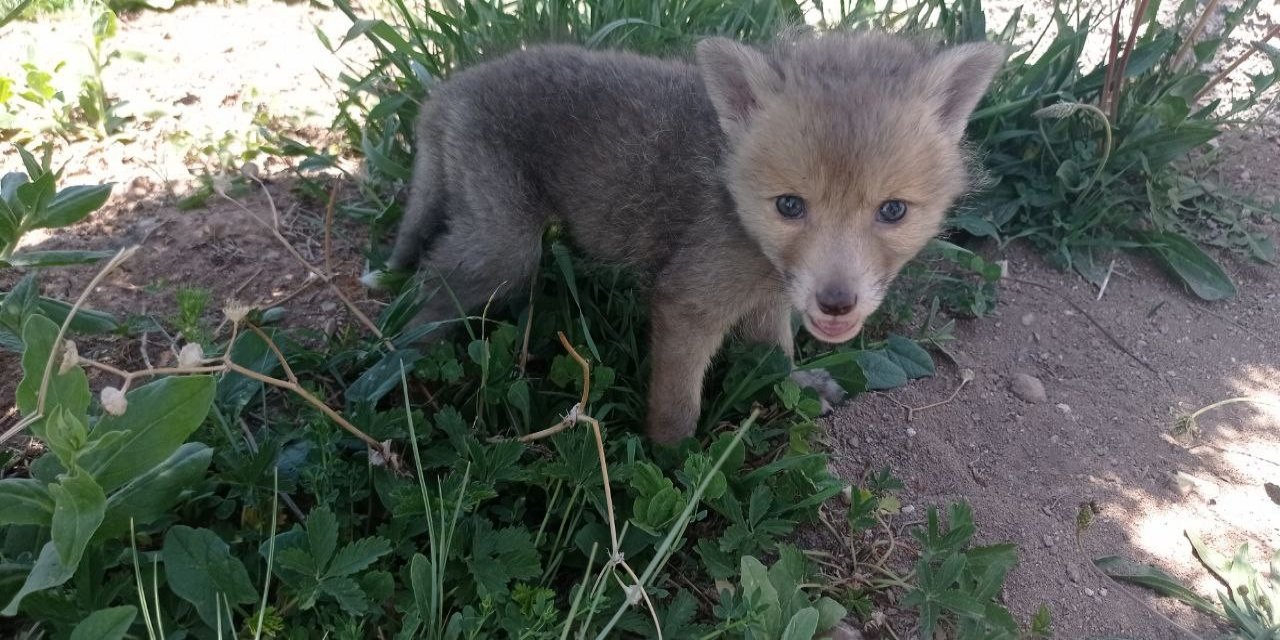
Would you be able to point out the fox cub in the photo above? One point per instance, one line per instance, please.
(746, 186)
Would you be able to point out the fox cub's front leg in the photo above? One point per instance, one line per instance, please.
(772, 325)
(684, 341)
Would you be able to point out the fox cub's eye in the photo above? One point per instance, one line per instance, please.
(891, 211)
(790, 207)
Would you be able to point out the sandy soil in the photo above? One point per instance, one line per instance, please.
(1102, 435)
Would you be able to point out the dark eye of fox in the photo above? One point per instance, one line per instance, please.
(790, 207)
(891, 211)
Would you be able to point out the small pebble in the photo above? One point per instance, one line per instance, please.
(1064, 407)
(909, 509)
(1102, 591)
(1073, 572)
(1088, 592)
(1028, 319)
(1048, 540)
(911, 433)
(1028, 388)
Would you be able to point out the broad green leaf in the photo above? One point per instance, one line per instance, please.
(26, 501)
(420, 577)
(161, 416)
(15, 305)
(106, 624)
(250, 352)
(151, 495)
(881, 371)
(200, 567)
(803, 625)
(1201, 273)
(47, 573)
(66, 435)
(1168, 144)
(758, 590)
(830, 613)
(914, 361)
(69, 390)
(78, 508)
(1148, 576)
(382, 377)
(70, 206)
(40, 259)
(85, 320)
(357, 556)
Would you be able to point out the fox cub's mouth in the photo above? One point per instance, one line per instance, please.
(832, 330)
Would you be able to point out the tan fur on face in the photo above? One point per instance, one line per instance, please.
(847, 122)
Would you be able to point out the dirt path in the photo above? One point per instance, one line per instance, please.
(1103, 435)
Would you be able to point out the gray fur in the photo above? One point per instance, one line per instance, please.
(642, 166)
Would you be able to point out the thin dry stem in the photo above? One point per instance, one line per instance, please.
(1257, 46)
(1190, 40)
(56, 351)
(323, 274)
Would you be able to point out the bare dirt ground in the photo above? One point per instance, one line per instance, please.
(1105, 434)
(1102, 435)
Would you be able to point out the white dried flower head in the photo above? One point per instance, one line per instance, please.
(220, 184)
(113, 401)
(372, 279)
(70, 357)
(1058, 111)
(235, 311)
(191, 355)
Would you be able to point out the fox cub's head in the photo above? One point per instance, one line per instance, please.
(844, 155)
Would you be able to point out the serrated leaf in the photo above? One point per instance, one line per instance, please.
(200, 567)
(322, 535)
(106, 624)
(161, 416)
(348, 594)
(78, 507)
(357, 556)
(26, 501)
(500, 556)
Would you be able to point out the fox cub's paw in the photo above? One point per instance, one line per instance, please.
(829, 391)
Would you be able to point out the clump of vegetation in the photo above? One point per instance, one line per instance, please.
(44, 101)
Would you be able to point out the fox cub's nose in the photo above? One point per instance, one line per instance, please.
(836, 301)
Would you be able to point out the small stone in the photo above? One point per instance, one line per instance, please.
(1028, 388)
(1048, 540)
(911, 433)
(1246, 176)
(909, 509)
(1102, 591)
(1028, 319)
(1088, 592)
(1073, 572)
(1063, 407)
(329, 307)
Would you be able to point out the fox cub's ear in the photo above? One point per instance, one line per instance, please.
(738, 78)
(957, 78)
